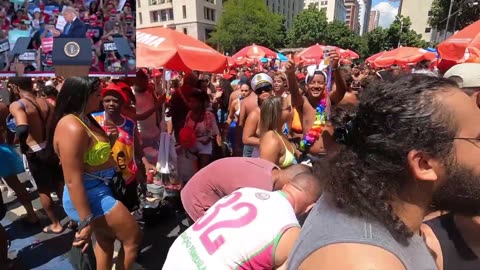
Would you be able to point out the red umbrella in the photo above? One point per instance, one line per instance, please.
(315, 54)
(164, 47)
(349, 54)
(402, 56)
(312, 55)
(255, 52)
(372, 58)
(454, 47)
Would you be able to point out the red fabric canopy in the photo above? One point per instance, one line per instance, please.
(347, 54)
(254, 52)
(372, 58)
(164, 47)
(314, 54)
(454, 47)
(402, 56)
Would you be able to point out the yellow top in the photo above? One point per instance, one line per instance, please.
(289, 156)
(100, 152)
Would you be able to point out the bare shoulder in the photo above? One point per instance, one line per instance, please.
(269, 138)
(254, 114)
(71, 128)
(433, 244)
(351, 256)
(14, 106)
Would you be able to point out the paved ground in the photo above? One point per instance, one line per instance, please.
(32, 249)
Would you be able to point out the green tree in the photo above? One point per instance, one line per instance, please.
(399, 32)
(468, 13)
(244, 22)
(308, 28)
(376, 41)
(338, 34)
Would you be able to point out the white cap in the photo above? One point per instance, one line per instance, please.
(49, 83)
(466, 75)
(261, 80)
(36, 10)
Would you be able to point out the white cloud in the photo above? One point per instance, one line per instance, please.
(387, 13)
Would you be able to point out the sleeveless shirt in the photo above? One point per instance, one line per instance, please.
(123, 150)
(457, 255)
(241, 231)
(328, 224)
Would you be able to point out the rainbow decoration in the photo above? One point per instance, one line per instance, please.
(316, 130)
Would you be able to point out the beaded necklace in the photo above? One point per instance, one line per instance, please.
(319, 123)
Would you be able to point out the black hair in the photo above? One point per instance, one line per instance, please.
(199, 95)
(23, 83)
(73, 98)
(422, 64)
(227, 91)
(49, 91)
(317, 72)
(392, 119)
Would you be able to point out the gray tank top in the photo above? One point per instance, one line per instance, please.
(327, 224)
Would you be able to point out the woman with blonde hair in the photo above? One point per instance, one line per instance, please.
(274, 145)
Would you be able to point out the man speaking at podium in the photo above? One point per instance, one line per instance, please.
(74, 28)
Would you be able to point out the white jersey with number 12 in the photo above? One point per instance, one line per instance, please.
(241, 231)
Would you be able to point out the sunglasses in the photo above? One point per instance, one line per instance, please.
(263, 89)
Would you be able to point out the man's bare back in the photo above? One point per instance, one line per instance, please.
(249, 104)
(38, 129)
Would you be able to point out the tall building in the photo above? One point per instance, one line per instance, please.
(351, 19)
(194, 18)
(361, 15)
(335, 9)
(287, 8)
(366, 16)
(374, 20)
(197, 18)
(418, 11)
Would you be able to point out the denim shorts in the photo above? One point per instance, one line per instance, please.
(12, 163)
(247, 150)
(99, 196)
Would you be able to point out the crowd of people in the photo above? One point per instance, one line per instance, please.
(381, 161)
(331, 166)
(44, 20)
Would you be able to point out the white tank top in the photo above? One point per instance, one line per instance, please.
(238, 232)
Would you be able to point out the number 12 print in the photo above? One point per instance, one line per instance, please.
(212, 245)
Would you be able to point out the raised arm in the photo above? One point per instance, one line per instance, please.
(338, 92)
(297, 98)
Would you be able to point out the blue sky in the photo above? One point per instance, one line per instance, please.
(394, 3)
(388, 11)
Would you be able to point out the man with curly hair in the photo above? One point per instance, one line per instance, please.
(411, 144)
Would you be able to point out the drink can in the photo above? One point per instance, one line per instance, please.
(326, 58)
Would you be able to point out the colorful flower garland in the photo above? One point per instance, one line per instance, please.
(316, 130)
